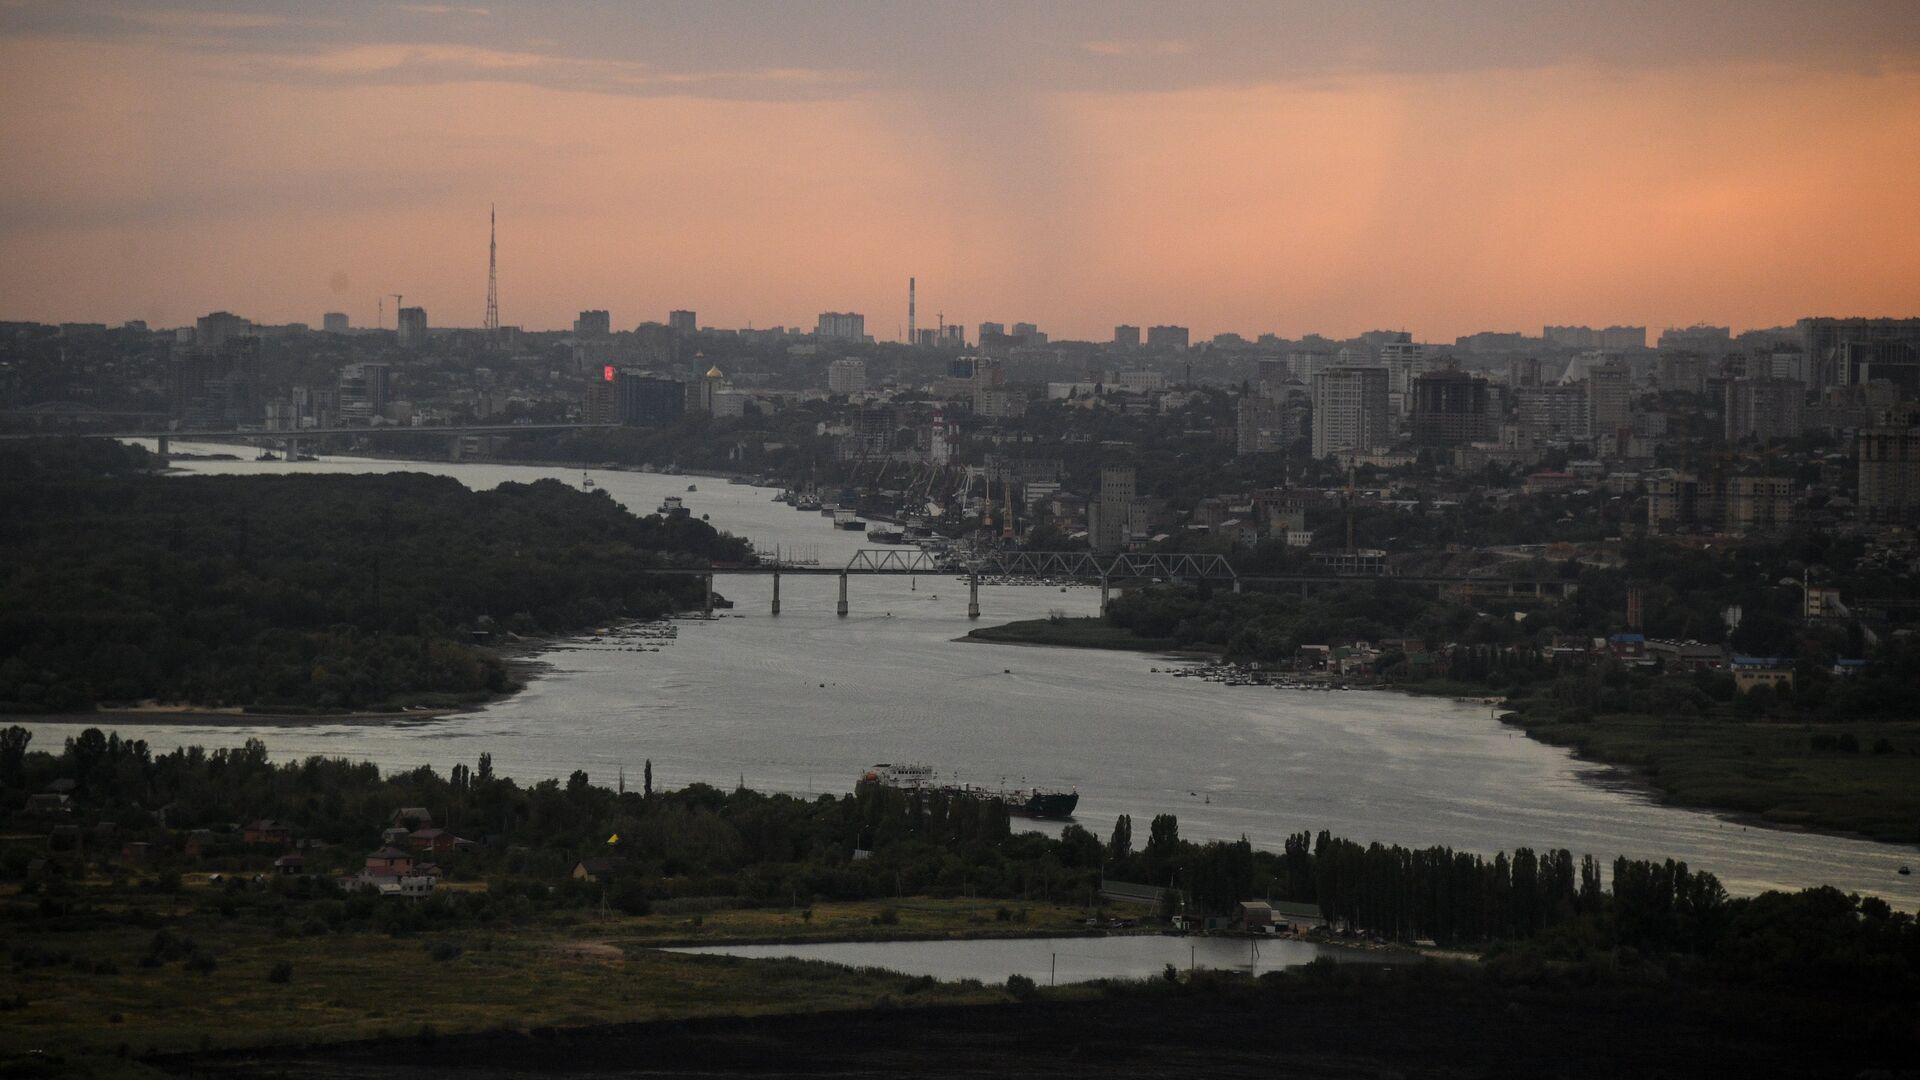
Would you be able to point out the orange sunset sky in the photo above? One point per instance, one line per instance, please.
(1438, 167)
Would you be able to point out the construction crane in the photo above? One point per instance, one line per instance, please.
(1349, 509)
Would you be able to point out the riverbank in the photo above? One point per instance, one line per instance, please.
(1762, 773)
(1424, 1021)
(1077, 633)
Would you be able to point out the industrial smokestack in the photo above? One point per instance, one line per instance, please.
(910, 335)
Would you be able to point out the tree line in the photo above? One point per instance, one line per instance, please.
(303, 591)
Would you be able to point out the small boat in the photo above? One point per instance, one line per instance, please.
(586, 482)
(844, 519)
(693, 487)
(671, 506)
(267, 455)
(1905, 870)
(887, 536)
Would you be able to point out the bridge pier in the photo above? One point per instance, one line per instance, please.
(776, 592)
(973, 595)
(161, 450)
(1236, 584)
(1103, 596)
(453, 449)
(709, 605)
(842, 609)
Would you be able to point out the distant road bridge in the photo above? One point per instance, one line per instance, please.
(1105, 569)
(292, 438)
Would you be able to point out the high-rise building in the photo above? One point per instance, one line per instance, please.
(841, 326)
(992, 329)
(1610, 396)
(1172, 338)
(847, 376)
(642, 399)
(1682, 373)
(1404, 361)
(1585, 337)
(1256, 425)
(1852, 352)
(593, 324)
(1110, 516)
(1553, 414)
(1764, 409)
(1889, 459)
(334, 322)
(1523, 371)
(1707, 340)
(1451, 408)
(682, 322)
(1126, 337)
(954, 336)
(1350, 410)
(365, 390)
(215, 330)
(413, 328)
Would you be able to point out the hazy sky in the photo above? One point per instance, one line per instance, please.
(1438, 167)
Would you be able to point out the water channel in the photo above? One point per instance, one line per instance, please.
(1061, 960)
(804, 701)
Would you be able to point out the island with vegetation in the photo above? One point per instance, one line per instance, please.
(294, 594)
(147, 900)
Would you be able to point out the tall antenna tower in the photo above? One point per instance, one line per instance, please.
(493, 285)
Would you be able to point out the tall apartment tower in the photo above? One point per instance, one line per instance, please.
(1110, 515)
(1763, 408)
(682, 322)
(1451, 408)
(841, 326)
(592, 324)
(1126, 337)
(1609, 396)
(1350, 410)
(413, 328)
(1889, 455)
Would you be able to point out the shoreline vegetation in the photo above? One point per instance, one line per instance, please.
(1754, 771)
(136, 939)
(327, 595)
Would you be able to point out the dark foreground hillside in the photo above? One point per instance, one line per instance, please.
(1392, 1024)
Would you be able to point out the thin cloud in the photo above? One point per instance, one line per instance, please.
(429, 63)
(442, 9)
(1139, 48)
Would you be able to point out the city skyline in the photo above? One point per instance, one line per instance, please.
(1245, 170)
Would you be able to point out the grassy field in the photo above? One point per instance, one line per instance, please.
(1079, 633)
(78, 989)
(1767, 770)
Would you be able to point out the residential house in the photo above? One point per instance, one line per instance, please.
(267, 833)
(599, 870)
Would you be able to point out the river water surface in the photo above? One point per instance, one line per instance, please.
(803, 702)
(1049, 961)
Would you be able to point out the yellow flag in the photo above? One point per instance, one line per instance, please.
(614, 839)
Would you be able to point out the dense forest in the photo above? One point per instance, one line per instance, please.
(293, 592)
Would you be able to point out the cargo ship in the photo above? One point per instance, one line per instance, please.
(1023, 802)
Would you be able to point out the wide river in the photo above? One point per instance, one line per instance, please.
(803, 702)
